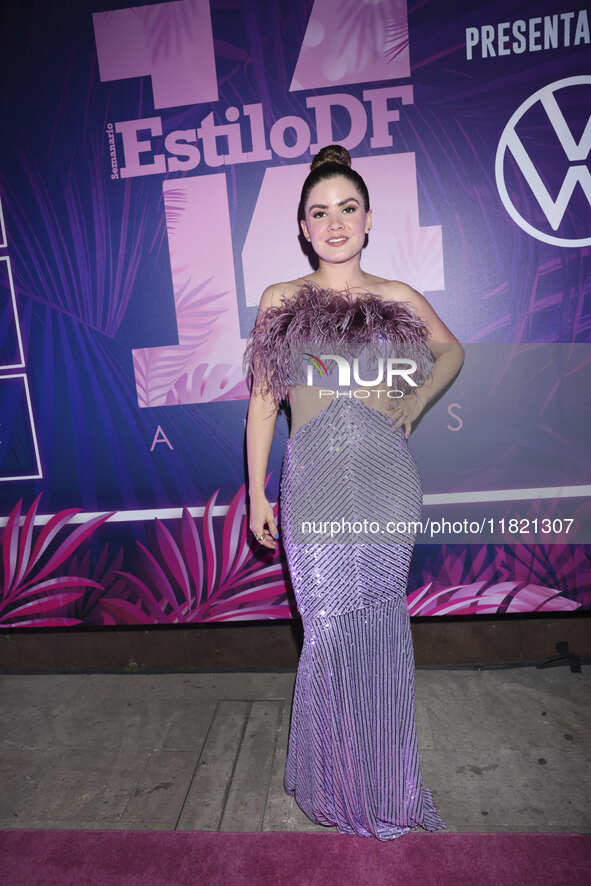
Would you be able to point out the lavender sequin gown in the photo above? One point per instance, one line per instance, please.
(353, 759)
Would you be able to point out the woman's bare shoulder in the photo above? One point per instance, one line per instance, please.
(421, 306)
(396, 290)
(275, 293)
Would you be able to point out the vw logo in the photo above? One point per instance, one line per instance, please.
(575, 154)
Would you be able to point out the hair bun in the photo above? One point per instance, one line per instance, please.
(331, 154)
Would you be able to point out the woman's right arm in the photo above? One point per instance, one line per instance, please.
(260, 428)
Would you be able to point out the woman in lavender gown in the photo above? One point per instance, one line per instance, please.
(353, 758)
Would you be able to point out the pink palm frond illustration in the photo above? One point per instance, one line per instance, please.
(110, 603)
(195, 578)
(175, 205)
(171, 375)
(166, 34)
(363, 27)
(396, 38)
(29, 596)
(418, 248)
(511, 582)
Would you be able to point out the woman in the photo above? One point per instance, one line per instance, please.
(353, 757)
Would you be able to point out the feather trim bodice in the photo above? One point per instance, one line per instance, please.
(286, 341)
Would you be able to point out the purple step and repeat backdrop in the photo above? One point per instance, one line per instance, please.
(152, 158)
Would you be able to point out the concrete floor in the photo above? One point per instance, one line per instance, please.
(501, 750)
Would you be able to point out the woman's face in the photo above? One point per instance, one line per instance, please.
(335, 220)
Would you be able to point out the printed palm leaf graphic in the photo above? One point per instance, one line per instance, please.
(419, 248)
(194, 579)
(166, 376)
(108, 603)
(396, 38)
(362, 27)
(28, 595)
(474, 588)
(165, 34)
(63, 255)
(175, 205)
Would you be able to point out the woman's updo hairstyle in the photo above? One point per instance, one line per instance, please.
(331, 160)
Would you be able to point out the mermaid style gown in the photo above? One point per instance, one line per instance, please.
(353, 756)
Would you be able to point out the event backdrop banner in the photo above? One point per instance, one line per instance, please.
(152, 162)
